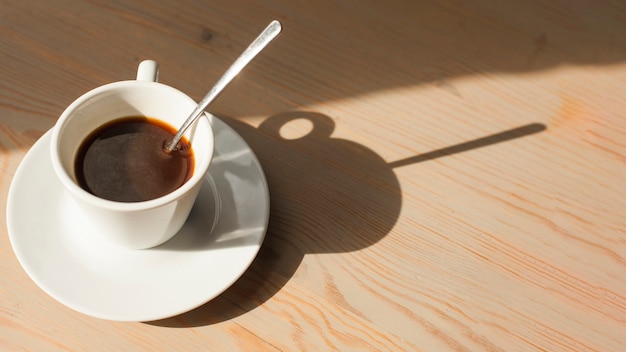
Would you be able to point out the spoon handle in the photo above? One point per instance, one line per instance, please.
(268, 34)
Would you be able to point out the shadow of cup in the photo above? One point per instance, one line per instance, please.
(328, 195)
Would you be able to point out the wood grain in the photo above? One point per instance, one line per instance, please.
(444, 175)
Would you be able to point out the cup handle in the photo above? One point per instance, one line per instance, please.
(148, 70)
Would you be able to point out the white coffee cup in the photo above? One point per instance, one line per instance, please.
(136, 225)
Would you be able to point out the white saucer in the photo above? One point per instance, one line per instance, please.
(100, 279)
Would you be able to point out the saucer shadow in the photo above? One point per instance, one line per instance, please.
(327, 195)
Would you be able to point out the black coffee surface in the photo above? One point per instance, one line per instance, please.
(124, 161)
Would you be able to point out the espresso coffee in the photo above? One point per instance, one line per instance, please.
(124, 160)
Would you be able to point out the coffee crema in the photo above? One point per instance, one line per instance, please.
(124, 160)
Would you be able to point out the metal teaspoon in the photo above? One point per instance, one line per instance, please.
(268, 34)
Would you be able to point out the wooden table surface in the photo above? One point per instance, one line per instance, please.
(444, 175)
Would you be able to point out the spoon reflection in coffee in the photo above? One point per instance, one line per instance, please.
(123, 160)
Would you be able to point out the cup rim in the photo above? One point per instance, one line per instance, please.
(200, 169)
